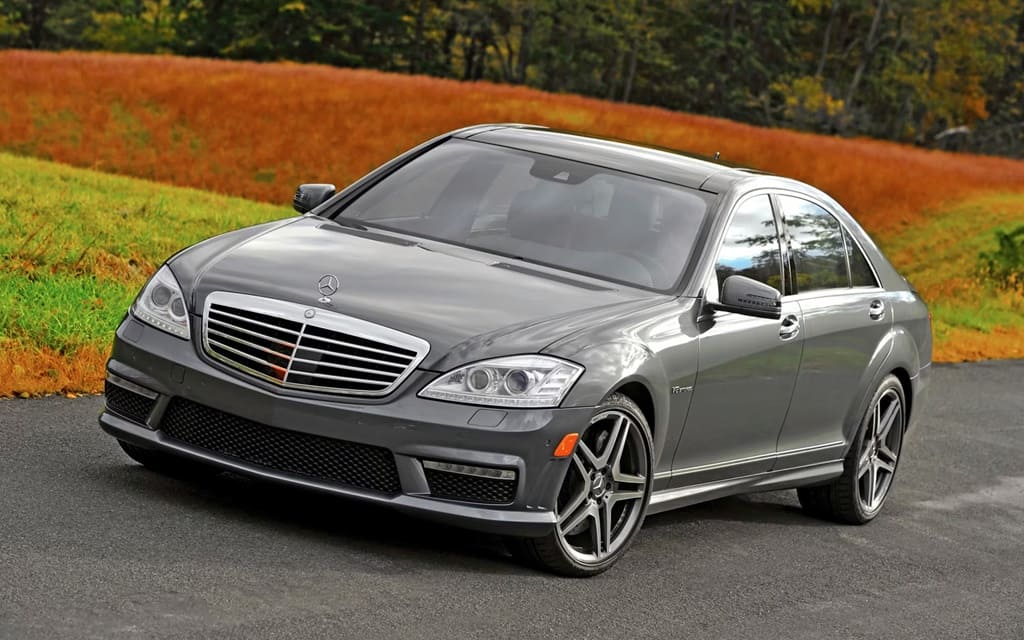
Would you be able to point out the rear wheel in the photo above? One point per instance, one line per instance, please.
(166, 463)
(603, 498)
(857, 496)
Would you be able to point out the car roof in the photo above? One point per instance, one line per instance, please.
(662, 164)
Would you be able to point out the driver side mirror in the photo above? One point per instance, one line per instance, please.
(744, 295)
(310, 196)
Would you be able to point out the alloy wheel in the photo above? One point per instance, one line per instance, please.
(880, 450)
(602, 498)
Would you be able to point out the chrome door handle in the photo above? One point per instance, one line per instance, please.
(876, 310)
(790, 327)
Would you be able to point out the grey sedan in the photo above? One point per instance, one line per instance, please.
(535, 333)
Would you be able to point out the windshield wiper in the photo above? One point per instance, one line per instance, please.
(351, 223)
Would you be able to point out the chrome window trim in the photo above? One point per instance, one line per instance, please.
(323, 318)
(846, 233)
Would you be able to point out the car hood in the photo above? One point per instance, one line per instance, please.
(467, 304)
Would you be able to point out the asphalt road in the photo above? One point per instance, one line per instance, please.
(93, 546)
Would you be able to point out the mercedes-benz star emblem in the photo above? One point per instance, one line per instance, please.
(327, 286)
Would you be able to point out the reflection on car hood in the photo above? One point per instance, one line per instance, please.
(455, 298)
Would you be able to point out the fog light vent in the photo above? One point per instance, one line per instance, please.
(469, 483)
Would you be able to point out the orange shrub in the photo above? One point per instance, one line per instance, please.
(257, 130)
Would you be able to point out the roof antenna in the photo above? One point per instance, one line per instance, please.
(717, 154)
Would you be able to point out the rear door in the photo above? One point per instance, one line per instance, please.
(845, 317)
(747, 365)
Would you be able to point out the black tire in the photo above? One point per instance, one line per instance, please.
(167, 464)
(844, 499)
(554, 552)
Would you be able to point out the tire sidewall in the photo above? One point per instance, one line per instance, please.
(618, 402)
(887, 383)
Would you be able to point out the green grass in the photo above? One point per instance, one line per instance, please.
(941, 260)
(76, 245)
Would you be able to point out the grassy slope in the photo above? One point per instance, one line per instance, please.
(75, 245)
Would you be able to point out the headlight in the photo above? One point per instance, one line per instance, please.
(161, 304)
(517, 381)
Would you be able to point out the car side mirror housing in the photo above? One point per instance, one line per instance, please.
(744, 295)
(310, 196)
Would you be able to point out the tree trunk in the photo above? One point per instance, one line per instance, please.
(529, 21)
(825, 40)
(36, 21)
(870, 43)
(632, 71)
(417, 47)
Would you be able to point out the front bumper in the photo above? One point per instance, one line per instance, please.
(413, 429)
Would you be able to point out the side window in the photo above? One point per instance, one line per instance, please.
(751, 245)
(816, 240)
(860, 270)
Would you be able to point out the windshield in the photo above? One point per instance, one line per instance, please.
(542, 209)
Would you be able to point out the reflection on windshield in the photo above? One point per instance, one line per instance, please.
(541, 209)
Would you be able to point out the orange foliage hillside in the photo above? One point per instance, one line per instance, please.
(257, 130)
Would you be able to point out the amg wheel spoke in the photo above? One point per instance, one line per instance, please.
(882, 465)
(628, 478)
(577, 518)
(886, 455)
(597, 539)
(573, 506)
(887, 420)
(590, 460)
(620, 496)
(872, 485)
(610, 448)
(604, 519)
(864, 463)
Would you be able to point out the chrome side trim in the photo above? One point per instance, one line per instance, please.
(131, 386)
(740, 461)
(668, 499)
(323, 318)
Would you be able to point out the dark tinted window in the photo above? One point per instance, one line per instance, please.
(817, 244)
(751, 245)
(541, 209)
(860, 270)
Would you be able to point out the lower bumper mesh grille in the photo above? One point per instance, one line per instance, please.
(326, 459)
(128, 404)
(467, 488)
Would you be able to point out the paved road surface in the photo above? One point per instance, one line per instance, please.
(92, 546)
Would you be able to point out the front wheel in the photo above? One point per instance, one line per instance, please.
(603, 498)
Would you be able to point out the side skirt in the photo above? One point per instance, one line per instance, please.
(669, 499)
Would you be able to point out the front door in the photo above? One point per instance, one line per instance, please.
(747, 366)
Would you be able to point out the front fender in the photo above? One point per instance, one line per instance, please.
(612, 365)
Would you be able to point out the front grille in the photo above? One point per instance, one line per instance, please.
(128, 404)
(326, 459)
(299, 347)
(469, 488)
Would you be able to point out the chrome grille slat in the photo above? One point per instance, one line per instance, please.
(320, 350)
(242, 354)
(349, 356)
(355, 346)
(254, 334)
(263, 324)
(285, 356)
(341, 366)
